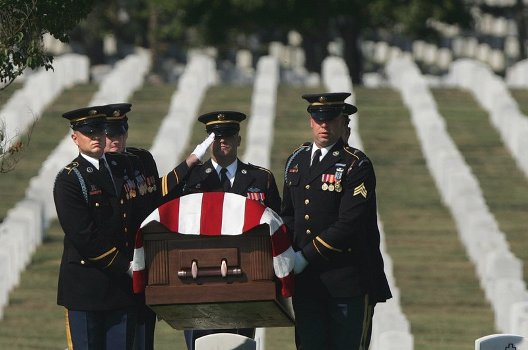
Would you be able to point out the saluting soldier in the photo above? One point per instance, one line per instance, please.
(224, 172)
(329, 206)
(93, 205)
(151, 190)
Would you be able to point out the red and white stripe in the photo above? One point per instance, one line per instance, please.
(219, 213)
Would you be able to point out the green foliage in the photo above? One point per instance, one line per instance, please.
(22, 25)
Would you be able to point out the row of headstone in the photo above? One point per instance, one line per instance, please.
(262, 116)
(260, 132)
(499, 271)
(493, 95)
(292, 60)
(390, 327)
(175, 129)
(40, 88)
(20, 234)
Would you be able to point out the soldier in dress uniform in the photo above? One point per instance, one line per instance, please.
(93, 205)
(329, 207)
(224, 172)
(152, 191)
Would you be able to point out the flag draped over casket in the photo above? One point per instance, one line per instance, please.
(219, 213)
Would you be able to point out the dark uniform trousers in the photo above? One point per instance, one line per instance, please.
(96, 216)
(330, 211)
(153, 191)
(250, 181)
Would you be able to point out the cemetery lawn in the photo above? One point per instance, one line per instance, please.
(503, 184)
(440, 293)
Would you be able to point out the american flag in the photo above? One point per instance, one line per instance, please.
(219, 213)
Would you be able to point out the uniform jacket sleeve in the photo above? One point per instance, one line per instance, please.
(286, 210)
(273, 199)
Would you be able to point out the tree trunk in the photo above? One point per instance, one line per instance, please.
(520, 18)
(353, 57)
(152, 35)
(314, 45)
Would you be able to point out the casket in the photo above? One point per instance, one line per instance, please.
(213, 282)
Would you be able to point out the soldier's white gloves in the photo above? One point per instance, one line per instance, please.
(201, 149)
(129, 271)
(300, 262)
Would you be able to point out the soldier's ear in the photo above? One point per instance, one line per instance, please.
(74, 138)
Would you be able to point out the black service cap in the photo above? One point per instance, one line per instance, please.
(327, 106)
(116, 119)
(88, 120)
(222, 123)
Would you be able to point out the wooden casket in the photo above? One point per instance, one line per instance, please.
(213, 282)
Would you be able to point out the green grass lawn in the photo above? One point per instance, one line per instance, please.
(440, 294)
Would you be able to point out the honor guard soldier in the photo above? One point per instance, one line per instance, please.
(329, 207)
(95, 284)
(224, 172)
(152, 191)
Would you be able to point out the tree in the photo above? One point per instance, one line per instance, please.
(222, 23)
(22, 26)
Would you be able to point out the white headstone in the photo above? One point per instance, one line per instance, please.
(501, 342)
(225, 341)
(395, 340)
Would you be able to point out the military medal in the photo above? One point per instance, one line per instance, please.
(338, 176)
(328, 180)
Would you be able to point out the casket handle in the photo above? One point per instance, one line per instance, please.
(224, 271)
(194, 269)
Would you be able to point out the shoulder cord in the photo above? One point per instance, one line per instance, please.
(299, 150)
(83, 184)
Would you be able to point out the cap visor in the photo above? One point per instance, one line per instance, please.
(325, 115)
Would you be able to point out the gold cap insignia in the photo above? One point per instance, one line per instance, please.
(323, 99)
(116, 113)
(221, 116)
(92, 112)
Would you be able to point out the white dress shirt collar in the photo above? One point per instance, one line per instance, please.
(324, 150)
(231, 169)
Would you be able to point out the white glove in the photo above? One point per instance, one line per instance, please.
(300, 262)
(201, 149)
(129, 271)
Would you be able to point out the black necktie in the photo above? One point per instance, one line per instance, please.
(316, 156)
(105, 174)
(224, 181)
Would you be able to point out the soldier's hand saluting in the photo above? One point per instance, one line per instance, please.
(200, 150)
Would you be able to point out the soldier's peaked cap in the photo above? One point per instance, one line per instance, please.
(87, 120)
(222, 123)
(327, 106)
(116, 118)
